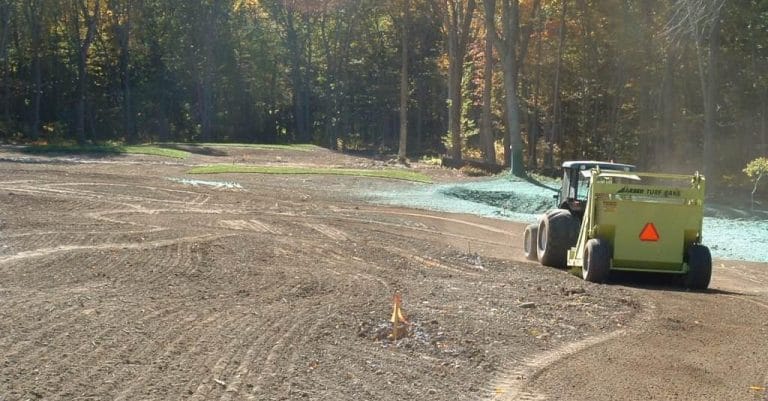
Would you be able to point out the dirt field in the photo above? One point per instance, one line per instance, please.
(118, 283)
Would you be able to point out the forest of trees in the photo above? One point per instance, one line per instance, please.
(669, 85)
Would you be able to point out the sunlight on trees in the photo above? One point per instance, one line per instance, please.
(668, 86)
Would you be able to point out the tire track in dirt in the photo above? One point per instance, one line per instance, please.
(87, 199)
(43, 332)
(160, 330)
(336, 261)
(53, 300)
(42, 240)
(513, 384)
(184, 197)
(333, 255)
(15, 243)
(249, 225)
(234, 381)
(66, 234)
(660, 320)
(57, 326)
(131, 353)
(67, 204)
(439, 218)
(278, 351)
(425, 261)
(121, 267)
(76, 201)
(745, 298)
(218, 375)
(206, 356)
(160, 269)
(136, 210)
(165, 342)
(208, 375)
(293, 339)
(402, 227)
(762, 305)
(129, 245)
(71, 324)
(330, 232)
(428, 262)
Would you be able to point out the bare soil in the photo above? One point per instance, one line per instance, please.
(119, 283)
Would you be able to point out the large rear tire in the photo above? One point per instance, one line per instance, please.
(700, 267)
(597, 260)
(529, 242)
(558, 232)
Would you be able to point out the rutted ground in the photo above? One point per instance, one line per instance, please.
(118, 283)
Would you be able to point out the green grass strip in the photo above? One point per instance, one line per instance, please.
(107, 149)
(302, 147)
(156, 151)
(390, 174)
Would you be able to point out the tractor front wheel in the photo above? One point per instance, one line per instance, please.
(597, 260)
(699, 267)
(529, 242)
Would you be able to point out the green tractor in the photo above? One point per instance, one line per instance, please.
(610, 218)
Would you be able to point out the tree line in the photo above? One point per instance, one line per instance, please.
(675, 85)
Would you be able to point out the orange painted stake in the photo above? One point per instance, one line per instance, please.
(398, 316)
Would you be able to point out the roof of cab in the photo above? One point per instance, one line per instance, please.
(611, 173)
(588, 164)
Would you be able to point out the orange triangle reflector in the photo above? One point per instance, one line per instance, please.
(649, 233)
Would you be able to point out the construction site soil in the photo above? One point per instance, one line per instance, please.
(124, 278)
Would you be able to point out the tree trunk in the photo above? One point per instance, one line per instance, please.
(125, 72)
(404, 87)
(534, 131)
(37, 95)
(205, 83)
(757, 69)
(486, 129)
(514, 151)
(710, 98)
(84, 45)
(336, 51)
(454, 85)
(556, 106)
(5, 28)
(660, 146)
(34, 18)
(506, 44)
(121, 22)
(292, 42)
(647, 114)
(458, 20)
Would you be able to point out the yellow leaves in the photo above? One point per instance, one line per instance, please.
(757, 167)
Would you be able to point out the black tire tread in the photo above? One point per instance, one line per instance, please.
(597, 260)
(700, 264)
(529, 242)
(562, 231)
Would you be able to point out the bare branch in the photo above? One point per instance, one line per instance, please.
(692, 19)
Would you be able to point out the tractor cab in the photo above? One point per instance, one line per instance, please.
(575, 186)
